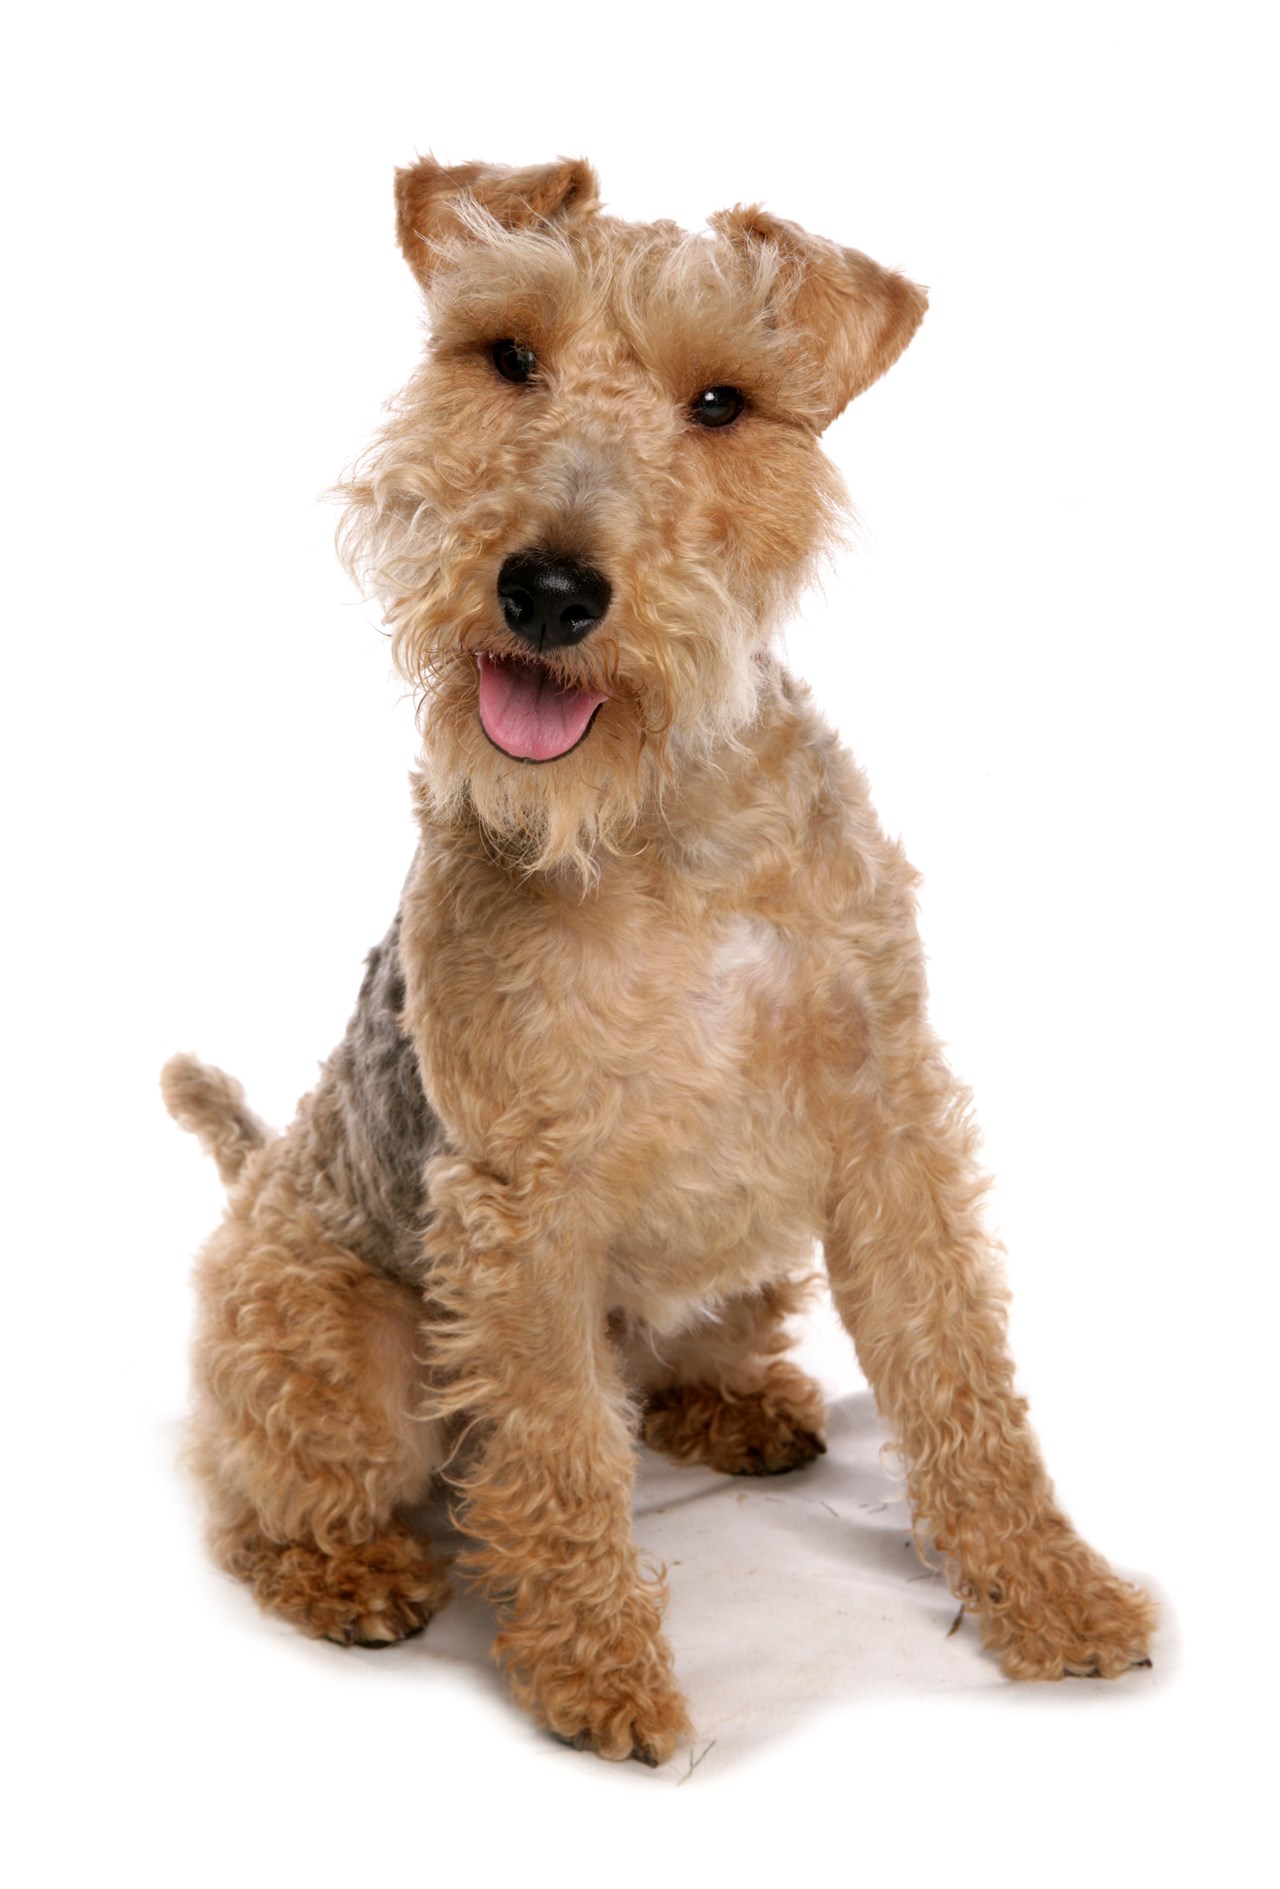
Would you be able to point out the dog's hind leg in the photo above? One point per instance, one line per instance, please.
(723, 1393)
(305, 1435)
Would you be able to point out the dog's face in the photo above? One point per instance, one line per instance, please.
(603, 489)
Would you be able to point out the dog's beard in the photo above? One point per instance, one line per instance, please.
(569, 812)
(604, 796)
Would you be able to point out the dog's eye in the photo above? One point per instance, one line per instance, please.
(513, 361)
(716, 406)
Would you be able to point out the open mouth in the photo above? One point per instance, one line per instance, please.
(528, 714)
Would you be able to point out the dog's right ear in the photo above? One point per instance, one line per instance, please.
(429, 196)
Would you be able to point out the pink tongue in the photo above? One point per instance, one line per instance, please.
(529, 715)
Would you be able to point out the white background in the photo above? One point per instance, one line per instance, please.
(1052, 648)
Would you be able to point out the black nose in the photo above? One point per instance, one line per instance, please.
(551, 602)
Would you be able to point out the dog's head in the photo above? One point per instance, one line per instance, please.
(603, 489)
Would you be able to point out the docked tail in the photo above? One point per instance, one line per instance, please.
(211, 1105)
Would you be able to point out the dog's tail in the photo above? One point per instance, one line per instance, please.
(210, 1104)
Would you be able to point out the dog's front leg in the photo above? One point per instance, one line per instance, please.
(919, 1290)
(521, 1353)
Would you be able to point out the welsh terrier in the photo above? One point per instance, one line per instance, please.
(650, 1020)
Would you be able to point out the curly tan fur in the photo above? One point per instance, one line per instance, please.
(649, 1022)
(212, 1106)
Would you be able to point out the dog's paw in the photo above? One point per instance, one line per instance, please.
(402, 1618)
(637, 1715)
(762, 1431)
(1097, 1629)
(370, 1595)
(601, 1682)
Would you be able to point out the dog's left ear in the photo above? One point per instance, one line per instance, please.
(852, 318)
(429, 196)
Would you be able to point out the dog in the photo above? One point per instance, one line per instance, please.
(650, 1020)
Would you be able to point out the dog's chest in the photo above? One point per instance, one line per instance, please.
(652, 1057)
(716, 1157)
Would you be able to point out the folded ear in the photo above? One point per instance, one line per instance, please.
(429, 196)
(852, 318)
